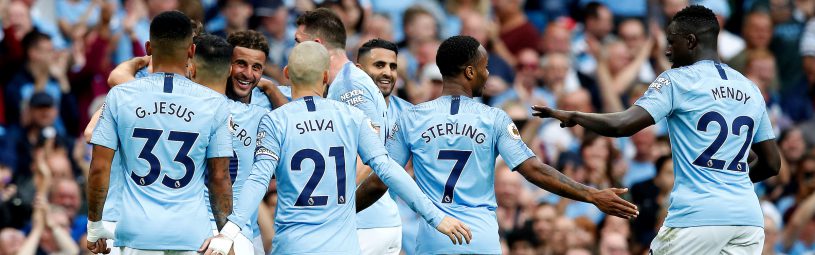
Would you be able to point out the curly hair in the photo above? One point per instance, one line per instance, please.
(249, 39)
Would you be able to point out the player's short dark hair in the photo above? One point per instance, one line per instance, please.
(32, 38)
(696, 19)
(326, 25)
(213, 55)
(170, 33)
(249, 39)
(376, 44)
(456, 53)
(592, 10)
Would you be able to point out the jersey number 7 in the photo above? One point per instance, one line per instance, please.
(461, 158)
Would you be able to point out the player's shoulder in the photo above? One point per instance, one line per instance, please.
(340, 108)
(399, 102)
(236, 107)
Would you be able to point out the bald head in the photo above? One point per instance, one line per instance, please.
(308, 65)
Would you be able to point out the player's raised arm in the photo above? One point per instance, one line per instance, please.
(126, 71)
(374, 154)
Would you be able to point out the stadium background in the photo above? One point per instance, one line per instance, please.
(572, 54)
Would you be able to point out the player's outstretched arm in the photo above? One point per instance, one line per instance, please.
(400, 182)
(618, 124)
(126, 71)
(97, 191)
(768, 161)
(607, 200)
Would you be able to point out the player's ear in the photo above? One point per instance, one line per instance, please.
(692, 41)
(286, 72)
(358, 65)
(191, 51)
(148, 49)
(325, 77)
(469, 72)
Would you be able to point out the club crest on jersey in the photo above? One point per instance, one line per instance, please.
(513, 131)
(659, 83)
(373, 127)
(231, 124)
(392, 135)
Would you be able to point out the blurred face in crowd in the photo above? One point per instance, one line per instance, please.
(563, 234)
(237, 13)
(780, 10)
(508, 187)
(154, 7)
(60, 165)
(557, 39)
(793, 146)
(578, 251)
(275, 23)
(644, 143)
(615, 225)
(379, 26)
(527, 70)
(613, 244)
(522, 247)
(10, 241)
(66, 194)
(18, 19)
(544, 222)
(42, 53)
(247, 68)
(578, 100)
(555, 69)
(618, 57)
(758, 30)
(60, 220)
(632, 32)
(381, 65)
(475, 26)
(761, 72)
(600, 26)
(671, 7)
(43, 116)
(806, 179)
(422, 27)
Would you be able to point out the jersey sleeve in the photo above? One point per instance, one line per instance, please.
(369, 144)
(364, 99)
(220, 142)
(266, 159)
(510, 146)
(658, 99)
(105, 133)
(396, 144)
(400, 182)
(764, 130)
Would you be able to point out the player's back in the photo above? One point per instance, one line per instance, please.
(167, 127)
(714, 114)
(318, 140)
(454, 141)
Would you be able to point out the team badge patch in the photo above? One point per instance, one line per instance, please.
(231, 124)
(513, 131)
(659, 83)
(373, 127)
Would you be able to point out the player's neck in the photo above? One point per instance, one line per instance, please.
(169, 68)
(454, 88)
(298, 92)
(707, 55)
(336, 61)
(217, 86)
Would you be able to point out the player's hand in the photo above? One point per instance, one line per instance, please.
(609, 201)
(564, 117)
(216, 245)
(97, 237)
(455, 229)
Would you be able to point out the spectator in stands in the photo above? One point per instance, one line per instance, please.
(500, 60)
(527, 87)
(513, 199)
(614, 244)
(11, 240)
(632, 32)
(757, 31)
(420, 44)
(555, 39)
(16, 24)
(729, 43)
(237, 13)
(651, 197)
(586, 44)
(642, 167)
(66, 194)
(279, 33)
(515, 28)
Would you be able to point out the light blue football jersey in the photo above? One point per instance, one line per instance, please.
(243, 125)
(354, 87)
(164, 127)
(311, 145)
(260, 99)
(454, 141)
(714, 114)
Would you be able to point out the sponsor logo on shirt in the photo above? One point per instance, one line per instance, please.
(659, 83)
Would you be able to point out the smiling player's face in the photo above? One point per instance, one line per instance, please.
(247, 67)
(380, 64)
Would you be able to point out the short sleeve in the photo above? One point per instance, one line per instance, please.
(365, 100)
(369, 144)
(510, 146)
(764, 130)
(106, 133)
(658, 99)
(396, 144)
(220, 142)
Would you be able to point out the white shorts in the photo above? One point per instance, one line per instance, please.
(731, 240)
(132, 251)
(376, 241)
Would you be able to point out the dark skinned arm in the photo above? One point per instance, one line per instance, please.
(607, 200)
(98, 181)
(369, 191)
(618, 124)
(220, 189)
(768, 162)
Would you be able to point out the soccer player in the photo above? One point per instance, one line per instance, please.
(310, 145)
(351, 85)
(715, 116)
(454, 141)
(165, 137)
(377, 58)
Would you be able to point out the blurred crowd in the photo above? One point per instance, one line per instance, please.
(591, 56)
